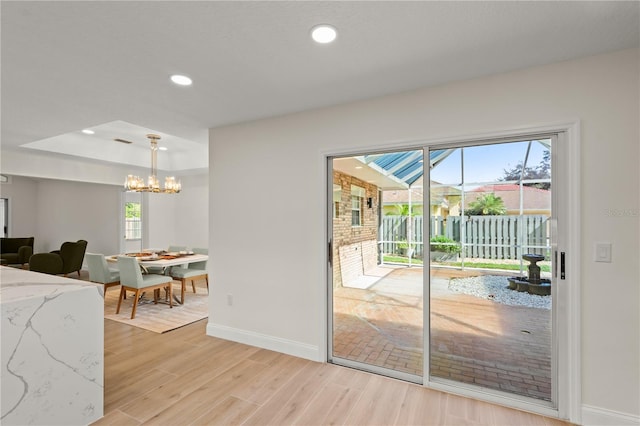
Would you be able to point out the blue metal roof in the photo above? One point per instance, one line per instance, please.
(405, 166)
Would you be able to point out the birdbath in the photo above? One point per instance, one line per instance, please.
(534, 269)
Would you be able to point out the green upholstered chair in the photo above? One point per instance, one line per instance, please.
(16, 251)
(194, 271)
(99, 271)
(131, 279)
(64, 261)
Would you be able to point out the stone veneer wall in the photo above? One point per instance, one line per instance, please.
(349, 241)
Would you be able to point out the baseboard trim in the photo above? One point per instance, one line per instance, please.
(277, 344)
(596, 416)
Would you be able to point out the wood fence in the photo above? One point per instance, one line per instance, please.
(485, 237)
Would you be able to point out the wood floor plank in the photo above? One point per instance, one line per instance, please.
(331, 406)
(351, 378)
(279, 405)
(271, 380)
(266, 356)
(198, 402)
(132, 386)
(197, 355)
(185, 377)
(116, 418)
(422, 406)
(304, 392)
(231, 411)
(379, 403)
(156, 400)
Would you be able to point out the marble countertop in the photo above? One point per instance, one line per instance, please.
(52, 352)
(20, 284)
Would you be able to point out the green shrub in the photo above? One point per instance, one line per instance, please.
(444, 244)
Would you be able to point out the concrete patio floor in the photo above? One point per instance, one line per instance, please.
(473, 340)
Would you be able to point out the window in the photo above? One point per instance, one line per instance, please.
(132, 221)
(357, 194)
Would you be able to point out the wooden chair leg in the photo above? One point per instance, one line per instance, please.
(183, 283)
(170, 296)
(193, 285)
(135, 304)
(207, 278)
(122, 291)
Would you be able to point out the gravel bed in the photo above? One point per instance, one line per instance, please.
(495, 288)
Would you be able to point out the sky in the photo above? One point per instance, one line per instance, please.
(485, 163)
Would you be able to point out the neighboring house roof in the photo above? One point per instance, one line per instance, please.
(439, 195)
(533, 198)
(401, 197)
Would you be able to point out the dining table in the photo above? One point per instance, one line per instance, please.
(161, 260)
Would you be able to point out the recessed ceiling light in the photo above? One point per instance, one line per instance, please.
(358, 167)
(88, 131)
(181, 80)
(323, 33)
(163, 148)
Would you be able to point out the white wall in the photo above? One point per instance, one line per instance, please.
(70, 211)
(192, 212)
(161, 219)
(271, 259)
(180, 219)
(22, 195)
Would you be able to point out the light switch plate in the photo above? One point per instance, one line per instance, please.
(603, 252)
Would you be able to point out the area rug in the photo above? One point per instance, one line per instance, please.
(159, 318)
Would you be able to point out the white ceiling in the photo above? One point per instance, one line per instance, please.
(73, 65)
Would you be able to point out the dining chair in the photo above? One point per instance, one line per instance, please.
(99, 271)
(131, 279)
(194, 271)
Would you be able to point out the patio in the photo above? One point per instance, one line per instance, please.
(473, 340)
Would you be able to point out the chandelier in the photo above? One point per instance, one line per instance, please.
(137, 184)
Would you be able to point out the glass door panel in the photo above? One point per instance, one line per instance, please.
(490, 316)
(376, 222)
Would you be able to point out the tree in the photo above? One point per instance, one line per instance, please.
(541, 171)
(132, 210)
(486, 205)
(402, 210)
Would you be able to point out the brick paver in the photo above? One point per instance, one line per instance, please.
(472, 340)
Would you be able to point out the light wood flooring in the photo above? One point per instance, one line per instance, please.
(184, 377)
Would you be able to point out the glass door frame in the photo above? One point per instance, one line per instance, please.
(565, 293)
(330, 264)
(452, 385)
(566, 204)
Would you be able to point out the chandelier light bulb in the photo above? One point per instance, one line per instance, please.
(137, 184)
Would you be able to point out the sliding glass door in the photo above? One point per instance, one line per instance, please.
(446, 274)
(490, 268)
(376, 250)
